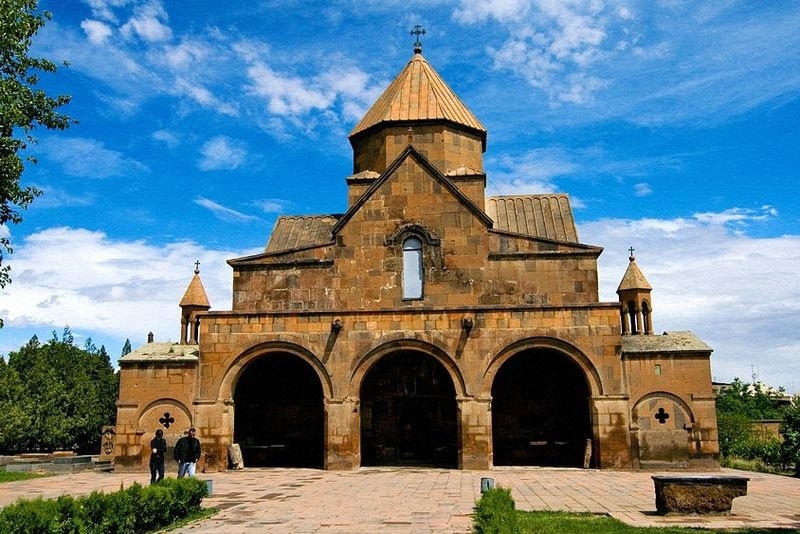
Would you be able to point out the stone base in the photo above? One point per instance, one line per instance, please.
(710, 494)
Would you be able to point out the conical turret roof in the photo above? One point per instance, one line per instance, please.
(633, 278)
(418, 93)
(195, 295)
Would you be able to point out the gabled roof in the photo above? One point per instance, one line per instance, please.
(294, 232)
(418, 93)
(436, 174)
(673, 342)
(547, 216)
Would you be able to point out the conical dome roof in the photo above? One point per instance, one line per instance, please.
(633, 278)
(195, 295)
(418, 93)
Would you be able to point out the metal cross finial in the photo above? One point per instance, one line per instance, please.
(631, 250)
(197, 267)
(417, 31)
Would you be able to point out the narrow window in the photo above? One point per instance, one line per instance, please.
(412, 268)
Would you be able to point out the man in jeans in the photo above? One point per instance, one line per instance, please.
(186, 453)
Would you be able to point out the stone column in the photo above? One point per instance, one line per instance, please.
(611, 428)
(342, 433)
(475, 433)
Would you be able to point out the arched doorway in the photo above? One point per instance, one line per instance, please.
(540, 410)
(408, 412)
(280, 418)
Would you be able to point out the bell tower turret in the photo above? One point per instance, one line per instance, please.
(194, 302)
(634, 291)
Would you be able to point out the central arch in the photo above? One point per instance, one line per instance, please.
(408, 412)
(279, 417)
(540, 410)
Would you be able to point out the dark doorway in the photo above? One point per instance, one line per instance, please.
(408, 413)
(540, 411)
(279, 413)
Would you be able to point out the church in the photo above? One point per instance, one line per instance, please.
(427, 325)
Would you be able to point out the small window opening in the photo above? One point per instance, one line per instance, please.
(412, 268)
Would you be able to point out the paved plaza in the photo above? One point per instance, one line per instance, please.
(375, 500)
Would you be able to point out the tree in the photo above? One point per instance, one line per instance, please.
(56, 396)
(790, 430)
(126, 348)
(738, 404)
(23, 108)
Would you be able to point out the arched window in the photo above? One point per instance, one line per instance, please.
(633, 318)
(412, 268)
(647, 327)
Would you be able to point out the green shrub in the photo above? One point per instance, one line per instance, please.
(495, 513)
(133, 510)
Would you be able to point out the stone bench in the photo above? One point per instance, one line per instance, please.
(697, 494)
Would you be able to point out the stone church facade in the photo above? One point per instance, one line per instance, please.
(427, 325)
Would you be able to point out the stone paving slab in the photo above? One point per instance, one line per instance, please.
(394, 500)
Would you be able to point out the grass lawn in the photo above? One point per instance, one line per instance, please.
(573, 523)
(6, 476)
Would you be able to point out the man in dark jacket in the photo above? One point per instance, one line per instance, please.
(186, 453)
(158, 446)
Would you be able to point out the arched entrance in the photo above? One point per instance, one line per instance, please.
(540, 410)
(280, 418)
(408, 412)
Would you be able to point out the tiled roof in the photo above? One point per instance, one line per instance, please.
(162, 352)
(418, 93)
(293, 232)
(195, 294)
(548, 216)
(679, 341)
(633, 278)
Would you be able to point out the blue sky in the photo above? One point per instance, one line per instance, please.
(672, 125)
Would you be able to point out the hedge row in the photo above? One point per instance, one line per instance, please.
(133, 510)
(495, 512)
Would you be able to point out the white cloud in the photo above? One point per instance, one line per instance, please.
(90, 158)
(170, 139)
(222, 153)
(642, 189)
(740, 294)
(97, 32)
(272, 205)
(223, 213)
(204, 97)
(112, 288)
(286, 95)
(148, 23)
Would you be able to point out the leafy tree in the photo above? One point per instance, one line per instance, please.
(59, 396)
(790, 430)
(737, 406)
(23, 108)
(126, 348)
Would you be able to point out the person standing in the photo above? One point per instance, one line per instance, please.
(158, 447)
(187, 452)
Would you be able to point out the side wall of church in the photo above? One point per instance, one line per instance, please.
(152, 396)
(673, 419)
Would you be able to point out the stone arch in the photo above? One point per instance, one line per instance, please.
(662, 403)
(235, 369)
(408, 391)
(575, 354)
(279, 397)
(541, 414)
(661, 429)
(149, 417)
(387, 346)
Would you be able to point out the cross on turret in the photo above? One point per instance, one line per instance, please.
(417, 31)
